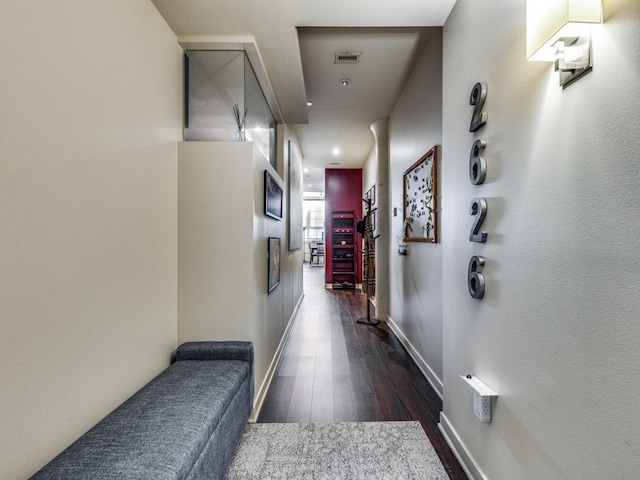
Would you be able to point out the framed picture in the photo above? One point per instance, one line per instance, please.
(272, 196)
(274, 263)
(420, 214)
(295, 201)
(370, 196)
(374, 226)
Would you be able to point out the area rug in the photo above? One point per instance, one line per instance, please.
(369, 450)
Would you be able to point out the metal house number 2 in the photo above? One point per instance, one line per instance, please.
(477, 174)
(477, 99)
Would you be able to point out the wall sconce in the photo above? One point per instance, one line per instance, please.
(559, 31)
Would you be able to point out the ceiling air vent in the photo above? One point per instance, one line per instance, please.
(347, 58)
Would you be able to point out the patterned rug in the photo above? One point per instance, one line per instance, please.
(371, 450)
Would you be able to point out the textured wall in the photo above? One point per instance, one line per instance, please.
(557, 333)
(416, 279)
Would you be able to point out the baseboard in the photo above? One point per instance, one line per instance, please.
(466, 460)
(264, 388)
(424, 367)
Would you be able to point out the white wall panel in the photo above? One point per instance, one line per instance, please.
(91, 110)
(416, 279)
(556, 335)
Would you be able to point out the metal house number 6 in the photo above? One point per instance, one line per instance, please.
(477, 164)
(475, 280)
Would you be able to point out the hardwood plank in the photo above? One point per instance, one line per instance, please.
(322, 407)
(343, 399)
(299, 410)
(335, 369)
(367, 408)
(276, 404)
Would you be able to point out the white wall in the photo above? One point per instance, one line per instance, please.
(557, 333)
(416, 279)
(292, 288)
(223, 251)
(276, 310)
(215, 240)
(370, 171)
(91, 109)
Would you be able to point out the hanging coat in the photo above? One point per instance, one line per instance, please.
(369, 259)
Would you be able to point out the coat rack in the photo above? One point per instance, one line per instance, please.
(367, 320)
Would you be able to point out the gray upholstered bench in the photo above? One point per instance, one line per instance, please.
(184, 424)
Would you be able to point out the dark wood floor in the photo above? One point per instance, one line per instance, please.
(334, 369)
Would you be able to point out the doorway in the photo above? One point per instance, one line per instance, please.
(313, 228)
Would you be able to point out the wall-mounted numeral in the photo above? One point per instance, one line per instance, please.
(477, 98)
(477, 164)
(477, 174)
(478, 208)
(475, 279)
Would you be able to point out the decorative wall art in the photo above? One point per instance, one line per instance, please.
(274, 263)
(295, 200)
(272, 196)
(370, 196)
(420, 213)
(374, 222)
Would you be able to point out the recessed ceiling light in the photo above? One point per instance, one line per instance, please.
(344, 82)
(309, 104)
(336, 151)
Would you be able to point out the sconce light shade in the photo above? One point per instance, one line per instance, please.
(559, 31)
(551, 20)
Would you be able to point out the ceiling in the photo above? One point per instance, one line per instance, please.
(297, 42)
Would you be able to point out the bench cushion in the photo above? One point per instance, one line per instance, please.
(168, 424)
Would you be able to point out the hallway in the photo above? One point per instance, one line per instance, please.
(334, 369)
